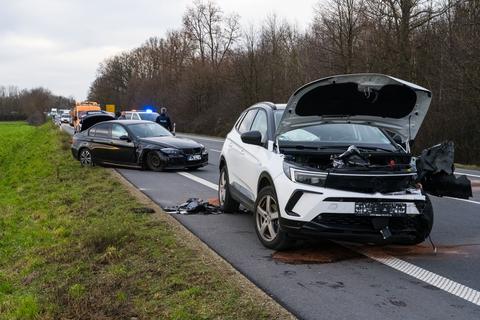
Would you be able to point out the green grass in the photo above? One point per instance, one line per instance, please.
(72, 246)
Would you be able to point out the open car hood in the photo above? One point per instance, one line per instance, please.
(90, 120)
(375, 99)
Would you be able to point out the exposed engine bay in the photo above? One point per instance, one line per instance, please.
(361, 170)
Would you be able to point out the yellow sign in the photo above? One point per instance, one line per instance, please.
(110, 108)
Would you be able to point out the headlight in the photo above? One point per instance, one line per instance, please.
(204, 150)
(314, 178)
(170, 151)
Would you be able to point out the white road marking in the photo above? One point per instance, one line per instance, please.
(199, 180)
(200, 137)
(466, 200)
(459, 173)
(215, 150)
(433, 279)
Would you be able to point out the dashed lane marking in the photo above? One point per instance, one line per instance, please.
(433, 279)
(215, 150)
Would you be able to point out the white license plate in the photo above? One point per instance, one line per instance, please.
(380, 209)
(195, 157)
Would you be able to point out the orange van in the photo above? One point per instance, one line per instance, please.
(80, 110)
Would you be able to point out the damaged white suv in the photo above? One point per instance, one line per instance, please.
(333, 162)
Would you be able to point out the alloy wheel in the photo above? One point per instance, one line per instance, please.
(267, 218)
(222, 188)
(86, 157)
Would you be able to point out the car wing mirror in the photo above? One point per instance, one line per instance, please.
(398, 139)
(125, 138)
(252, 137)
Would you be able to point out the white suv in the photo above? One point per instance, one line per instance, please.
(333, 162)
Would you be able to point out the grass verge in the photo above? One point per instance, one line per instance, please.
(74, 244)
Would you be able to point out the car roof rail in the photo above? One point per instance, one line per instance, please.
(270, 104)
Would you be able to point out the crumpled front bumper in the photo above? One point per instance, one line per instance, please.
(308, 211)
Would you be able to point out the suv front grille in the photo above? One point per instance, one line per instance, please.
(369, 184)
(351, 221)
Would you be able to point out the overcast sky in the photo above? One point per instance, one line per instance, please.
(58, 44)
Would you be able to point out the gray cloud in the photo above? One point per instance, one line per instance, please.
(59, 43)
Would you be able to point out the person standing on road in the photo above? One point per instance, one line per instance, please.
(121, 116)
(164, 120)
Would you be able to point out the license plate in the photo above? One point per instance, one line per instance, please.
(380, 209)
(195, 157)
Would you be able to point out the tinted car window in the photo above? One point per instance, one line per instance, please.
(118, 131)
(152, 129)
(128, 116)
(247, 121)
(135, 116)
(260, 124)
(102, 130)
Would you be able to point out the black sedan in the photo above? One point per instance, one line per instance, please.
(137, 143)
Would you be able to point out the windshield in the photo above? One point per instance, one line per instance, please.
(278, 116)
(145, 130)
(150, 116)
(343, 134)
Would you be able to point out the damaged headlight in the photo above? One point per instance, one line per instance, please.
(204, 150)
(296, 174)
(170, 151)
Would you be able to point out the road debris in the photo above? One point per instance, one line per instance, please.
(196, 206)
(436, 172)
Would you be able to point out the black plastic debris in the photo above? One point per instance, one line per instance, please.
(195, 206)
(350, 158)
(435, 168)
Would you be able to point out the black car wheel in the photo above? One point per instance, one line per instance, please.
(154, 162)
(267, 221)
(225, 198)
(425, 224)
(85, 157)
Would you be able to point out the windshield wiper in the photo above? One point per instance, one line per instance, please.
(377, 149)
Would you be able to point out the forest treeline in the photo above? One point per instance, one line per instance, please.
(29, 104)
(213, 67)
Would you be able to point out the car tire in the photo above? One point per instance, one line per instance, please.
(267, 221)
(154, 162)
(224, 195)
(85, 157)
(425, 224)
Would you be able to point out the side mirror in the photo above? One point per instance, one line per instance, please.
(125, 138)
(397, 139)
(252, 137)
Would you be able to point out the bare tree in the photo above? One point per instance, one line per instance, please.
(213, 33)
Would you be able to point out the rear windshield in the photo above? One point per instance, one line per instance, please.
(145, 130)
(150, 116)
(338, 134)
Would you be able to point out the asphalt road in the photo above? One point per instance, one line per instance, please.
(378, 283)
